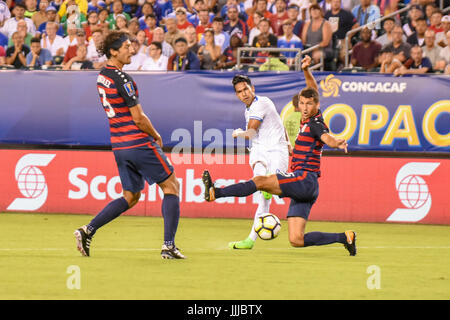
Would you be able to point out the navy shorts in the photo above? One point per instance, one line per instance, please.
(144, 163)
(303, 189)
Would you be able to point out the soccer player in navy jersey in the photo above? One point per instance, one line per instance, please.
(301, 184)
(136, 145)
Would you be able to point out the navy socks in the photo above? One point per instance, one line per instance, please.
(242, 189)
(114, 209)
(171, 215)
(322, 238)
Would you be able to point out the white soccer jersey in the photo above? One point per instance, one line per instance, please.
(271, 133)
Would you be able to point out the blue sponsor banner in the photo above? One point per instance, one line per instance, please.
(200, 109)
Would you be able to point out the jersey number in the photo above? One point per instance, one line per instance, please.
(108, 108)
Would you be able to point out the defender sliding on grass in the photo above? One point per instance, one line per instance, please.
(137, 149)
(301, 185)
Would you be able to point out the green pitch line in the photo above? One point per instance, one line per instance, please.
(39, 260)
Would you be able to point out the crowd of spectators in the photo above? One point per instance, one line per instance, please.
(177, 35)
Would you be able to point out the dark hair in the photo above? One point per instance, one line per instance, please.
(113, 40)
(309, 92)
(218, 19)
(422, 19)
(295, 101)
(35, 40)
(21, 5)
(157, 44)
(240, 78)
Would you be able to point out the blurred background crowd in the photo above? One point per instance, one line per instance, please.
(387, 36)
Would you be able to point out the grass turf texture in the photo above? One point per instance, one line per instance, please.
(37, 249)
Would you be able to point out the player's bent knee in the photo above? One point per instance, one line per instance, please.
(132, 198)
(171, 185)
(296, 240)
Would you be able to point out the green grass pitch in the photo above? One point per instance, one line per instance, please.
(394, 261)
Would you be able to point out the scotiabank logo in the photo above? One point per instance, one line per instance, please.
(413, 191)
(31, 182)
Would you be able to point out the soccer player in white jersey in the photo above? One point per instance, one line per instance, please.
(269, 144)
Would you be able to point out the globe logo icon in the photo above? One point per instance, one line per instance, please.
(413, 191)
(31, 182)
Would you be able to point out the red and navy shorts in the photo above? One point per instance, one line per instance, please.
(140, 164)
(303, 189)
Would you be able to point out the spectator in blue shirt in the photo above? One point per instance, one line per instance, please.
(417, 64)
(289, 40)
(38, 57)
(366, 13)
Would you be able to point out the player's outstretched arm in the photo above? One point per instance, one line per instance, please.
(309, 78)
(332, 142)
(252, 130)
(144, 123)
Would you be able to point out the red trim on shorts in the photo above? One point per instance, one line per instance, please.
(163, 163)
(293, 179)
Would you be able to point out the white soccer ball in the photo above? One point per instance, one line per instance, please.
(267, 226)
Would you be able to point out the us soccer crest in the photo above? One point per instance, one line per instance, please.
(129, 88)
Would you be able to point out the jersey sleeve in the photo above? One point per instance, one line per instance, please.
(318, 128)
(127, 89)
(257, 111)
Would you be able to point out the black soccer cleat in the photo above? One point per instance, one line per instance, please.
(83, 241)
(209, 186)
(350, 245)
(171, 252)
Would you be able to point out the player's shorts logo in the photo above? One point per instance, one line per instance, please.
(330, 86)
(31, 182)
(413, 191)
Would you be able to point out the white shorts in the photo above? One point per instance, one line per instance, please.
(273, 160)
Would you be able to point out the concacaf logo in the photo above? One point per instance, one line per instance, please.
(330, 86)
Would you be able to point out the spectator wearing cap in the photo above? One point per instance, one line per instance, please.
(81, 4)
(430, 49)
(38, 57)
(261, 7)
(388, 63)
(418, 36)
(183, 59)
(366, 12)
(117, 9)
(137, 59)
(156, 60)
(400, 48)
(341, 20)
(289, 40)
(51, 16)
(10, 25)
(22, 30)
(436, 21)
(276, 20)
(365, 53)
(235, 25)
(172, 6)
(441, 39)
(158, 36)
(181, 19)
(417, 64)
(51, 41)
(293, 11)
(72, 49)
(414, 13)
(221, 38)
(40, 17)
